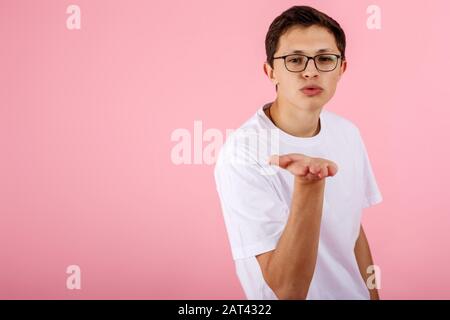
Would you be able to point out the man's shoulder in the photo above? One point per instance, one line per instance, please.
(249, 129)
(241, 144)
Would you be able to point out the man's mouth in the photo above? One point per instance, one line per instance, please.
(312, 90)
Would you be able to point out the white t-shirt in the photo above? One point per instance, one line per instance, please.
(255, 199)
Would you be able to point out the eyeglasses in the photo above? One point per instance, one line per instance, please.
(298, 62)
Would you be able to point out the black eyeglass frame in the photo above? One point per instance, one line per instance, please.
(310, 58)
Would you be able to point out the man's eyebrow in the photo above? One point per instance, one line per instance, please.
(318, 51)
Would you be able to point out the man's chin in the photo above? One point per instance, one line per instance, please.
(309, 106)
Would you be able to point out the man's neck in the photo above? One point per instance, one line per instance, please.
(295, 121)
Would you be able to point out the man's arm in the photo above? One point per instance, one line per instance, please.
(289, 268)
(364, 259)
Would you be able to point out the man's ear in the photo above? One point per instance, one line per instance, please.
(342, 68)
(268, 70)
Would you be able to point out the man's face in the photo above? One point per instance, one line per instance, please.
(310, 40)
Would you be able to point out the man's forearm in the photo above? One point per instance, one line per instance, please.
(364, 259)
(291, 265)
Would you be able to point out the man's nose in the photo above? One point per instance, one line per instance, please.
(311, 70)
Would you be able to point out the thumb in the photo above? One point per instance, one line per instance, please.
(332, 169)
(281, 161)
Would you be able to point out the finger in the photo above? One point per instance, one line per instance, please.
(274, 159)
(297, 156)
(297, 168)
(281, 161)
(323, 171)
(314, 168)
(332, 169)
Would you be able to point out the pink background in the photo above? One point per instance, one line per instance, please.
(86, 118)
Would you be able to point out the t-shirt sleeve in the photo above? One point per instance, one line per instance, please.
(370, 190)
(253, 211)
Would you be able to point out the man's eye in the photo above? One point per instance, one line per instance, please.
(325, 59)
(294, 60)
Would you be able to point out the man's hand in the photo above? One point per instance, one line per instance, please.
(289, 268)
(306, 169)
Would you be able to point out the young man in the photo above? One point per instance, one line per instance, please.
(296, 233)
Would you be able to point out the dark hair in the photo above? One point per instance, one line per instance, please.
(304, 16)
